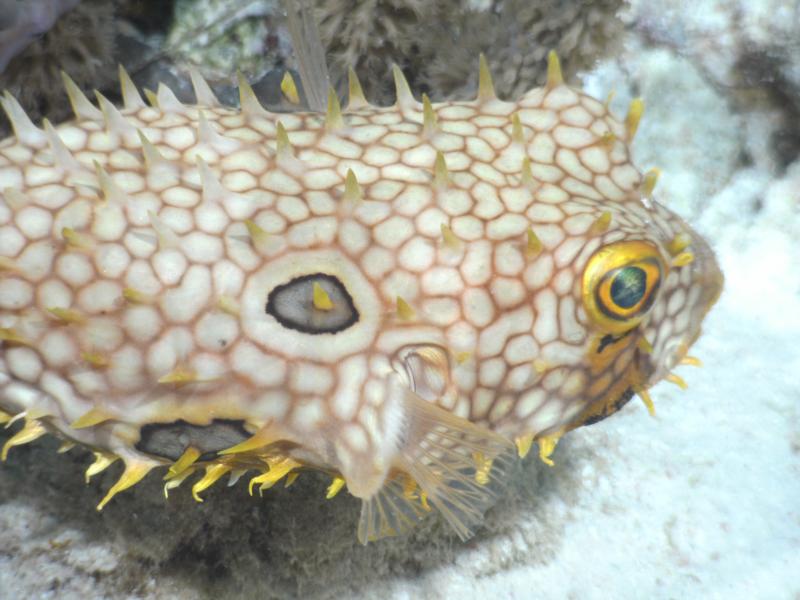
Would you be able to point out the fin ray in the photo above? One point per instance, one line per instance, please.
(390, 512)
(440, 455)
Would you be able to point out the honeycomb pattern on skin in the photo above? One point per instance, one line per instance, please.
(432, 261)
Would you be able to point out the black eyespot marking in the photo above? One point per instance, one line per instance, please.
(292, 305)
(170, 440)
(628, 286)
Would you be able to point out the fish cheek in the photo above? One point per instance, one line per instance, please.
(613, 375)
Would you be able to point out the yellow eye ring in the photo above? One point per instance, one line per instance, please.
(620, 284)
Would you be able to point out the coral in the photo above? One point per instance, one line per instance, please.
(437, 43)
(371, 35)
(693, 170)
(516, 35)
(80, 43)
(749, 52)
(223, 36)
(21, 22)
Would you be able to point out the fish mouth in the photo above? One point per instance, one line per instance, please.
(708, 277)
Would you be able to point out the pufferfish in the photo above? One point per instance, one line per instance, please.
(403, 297)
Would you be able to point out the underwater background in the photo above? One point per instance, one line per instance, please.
(702, 501)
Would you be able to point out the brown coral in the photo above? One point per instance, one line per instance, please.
(516, 35)
(370, 35)
(80, 43)
(437, 43)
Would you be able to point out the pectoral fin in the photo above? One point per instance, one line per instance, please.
(445, 463)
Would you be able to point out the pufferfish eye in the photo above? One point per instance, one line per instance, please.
(620, 284)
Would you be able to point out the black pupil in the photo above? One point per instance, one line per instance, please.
(628, 287)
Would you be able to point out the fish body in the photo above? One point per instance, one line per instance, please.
(404, 297)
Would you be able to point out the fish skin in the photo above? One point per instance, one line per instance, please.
(394, 295)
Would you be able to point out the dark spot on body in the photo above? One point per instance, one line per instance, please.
(609, 339)
(292, 305)
(610, 409)
(170, 440)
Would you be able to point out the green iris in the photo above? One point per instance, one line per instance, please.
(628, 287)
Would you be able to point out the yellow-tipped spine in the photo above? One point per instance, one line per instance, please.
(679, 243)
(526, 174)
(186, 460)
(335, 487)
(691, 361)
(95, 359)
(333, 116)
(179, 376)
(517, 133)
(524, 443)
(404, 310)
(684, 258)
(213, 473)
(78, 241)
(136, 297)
(441, 175)
(602, 223)
(101, 462)
(165, 236)
(81, 106)
(151, 154)
(647, 400)
(247, 97)
(283, 146)
(352, 189)
(321, 298)
(429, 121)
(355, 93)
(94, 416)
(677, 380)
(152, 98)
(402, 89)
(110, 191)
(258, 236)
(203, 94)
(449, 238)
(12, 336)
(533, 245)
(133, 474)
(635, 112)
(61, 154)
(32, 430)
(67, 316)
(555, 77)
(644, 345)
(289, 88)
(485, 85)
(547, 445)
(24, 129)
(14, 198)
(649, 182)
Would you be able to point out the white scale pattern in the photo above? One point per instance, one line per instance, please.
(137, 256)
